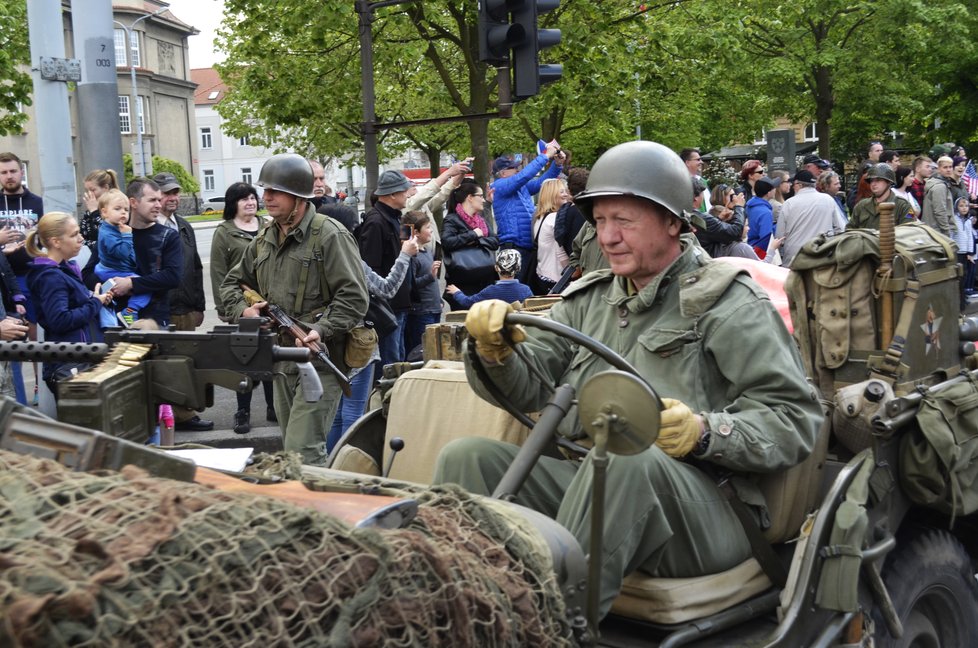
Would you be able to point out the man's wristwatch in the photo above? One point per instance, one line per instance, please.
(702, 444)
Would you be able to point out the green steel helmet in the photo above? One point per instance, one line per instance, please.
(287, 172)
(644, 170)
(881, 171)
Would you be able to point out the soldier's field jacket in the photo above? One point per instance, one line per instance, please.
(702, 332)
(275, 270)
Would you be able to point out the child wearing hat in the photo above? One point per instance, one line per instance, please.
(508, 288)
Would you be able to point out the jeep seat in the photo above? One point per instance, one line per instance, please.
(457, 412)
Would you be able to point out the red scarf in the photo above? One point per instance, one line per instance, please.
(475, 221)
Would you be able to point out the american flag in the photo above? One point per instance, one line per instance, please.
(971, 178)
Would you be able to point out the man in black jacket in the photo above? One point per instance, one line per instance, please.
(380, 244)
(187, 304)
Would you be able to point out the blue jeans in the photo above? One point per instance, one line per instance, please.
(351, 407)
(414, 328)
(392, 345)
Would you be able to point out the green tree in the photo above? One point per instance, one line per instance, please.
(15, 82)
(188, 184)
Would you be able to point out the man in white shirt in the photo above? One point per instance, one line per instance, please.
(806, 215)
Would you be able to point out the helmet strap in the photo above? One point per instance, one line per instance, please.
(300, 208)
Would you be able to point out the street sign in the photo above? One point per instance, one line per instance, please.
(60, 69)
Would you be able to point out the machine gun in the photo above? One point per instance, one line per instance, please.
(120, 395)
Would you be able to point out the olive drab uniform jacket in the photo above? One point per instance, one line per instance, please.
(701, 332)
(866, 213)
(318, 256)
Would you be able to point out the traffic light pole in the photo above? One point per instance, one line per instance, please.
(369, 126)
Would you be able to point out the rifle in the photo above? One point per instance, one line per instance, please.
(565, 278)
(282, 319)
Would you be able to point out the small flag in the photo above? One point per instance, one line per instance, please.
(971, 178)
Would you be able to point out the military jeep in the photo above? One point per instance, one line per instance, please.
(875, 530)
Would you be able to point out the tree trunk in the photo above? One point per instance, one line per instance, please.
(824, 104)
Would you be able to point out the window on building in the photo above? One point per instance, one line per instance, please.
(142, 116)
(214, 94)
(208, 180)
(246, 175)
(245, 141)
(120, 48)
(206, 140)
(125, 123)
(134, 49)
(811, 134)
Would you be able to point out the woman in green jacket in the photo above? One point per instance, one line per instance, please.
(241, 224)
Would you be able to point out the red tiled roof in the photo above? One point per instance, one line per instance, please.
(208, 82)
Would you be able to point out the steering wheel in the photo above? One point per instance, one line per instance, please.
(620, 400)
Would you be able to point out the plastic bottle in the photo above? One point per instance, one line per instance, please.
(166, 425)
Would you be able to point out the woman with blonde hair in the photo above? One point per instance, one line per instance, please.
(551, 258)
(66, 309)
(97, 182)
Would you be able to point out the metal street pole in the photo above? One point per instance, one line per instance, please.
(367, 127)
(98, 91)
(135, 113)
(53, 126)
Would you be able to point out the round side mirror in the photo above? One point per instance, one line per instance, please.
(625, 405)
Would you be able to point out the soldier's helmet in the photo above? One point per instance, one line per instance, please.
(644, 170)
(881, 171)
(287, 172)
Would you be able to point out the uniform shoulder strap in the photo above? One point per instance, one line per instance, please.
(315, 232)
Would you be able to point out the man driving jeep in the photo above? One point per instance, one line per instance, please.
(702, 334)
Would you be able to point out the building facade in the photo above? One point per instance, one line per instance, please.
(222, 160)
(164, 105)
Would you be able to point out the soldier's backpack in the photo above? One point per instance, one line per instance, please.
(837, 296)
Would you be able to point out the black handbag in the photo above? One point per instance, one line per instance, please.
(470, 265)
(380, 317)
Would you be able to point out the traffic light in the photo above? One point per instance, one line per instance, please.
(496, 34)
(528, 74)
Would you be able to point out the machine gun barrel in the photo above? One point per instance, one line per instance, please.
(52, 352)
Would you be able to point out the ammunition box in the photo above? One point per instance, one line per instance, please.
(109, 399)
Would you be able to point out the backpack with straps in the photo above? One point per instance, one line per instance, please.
(835, 293)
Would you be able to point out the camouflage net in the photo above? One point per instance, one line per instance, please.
(126, 559)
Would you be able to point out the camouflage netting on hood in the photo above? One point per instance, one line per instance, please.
(125, 559)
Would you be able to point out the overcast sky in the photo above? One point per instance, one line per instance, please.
(205, 15)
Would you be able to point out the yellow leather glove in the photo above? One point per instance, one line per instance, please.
(679, 429)
(485, 322)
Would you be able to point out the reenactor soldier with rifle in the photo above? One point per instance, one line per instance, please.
(306, 264)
